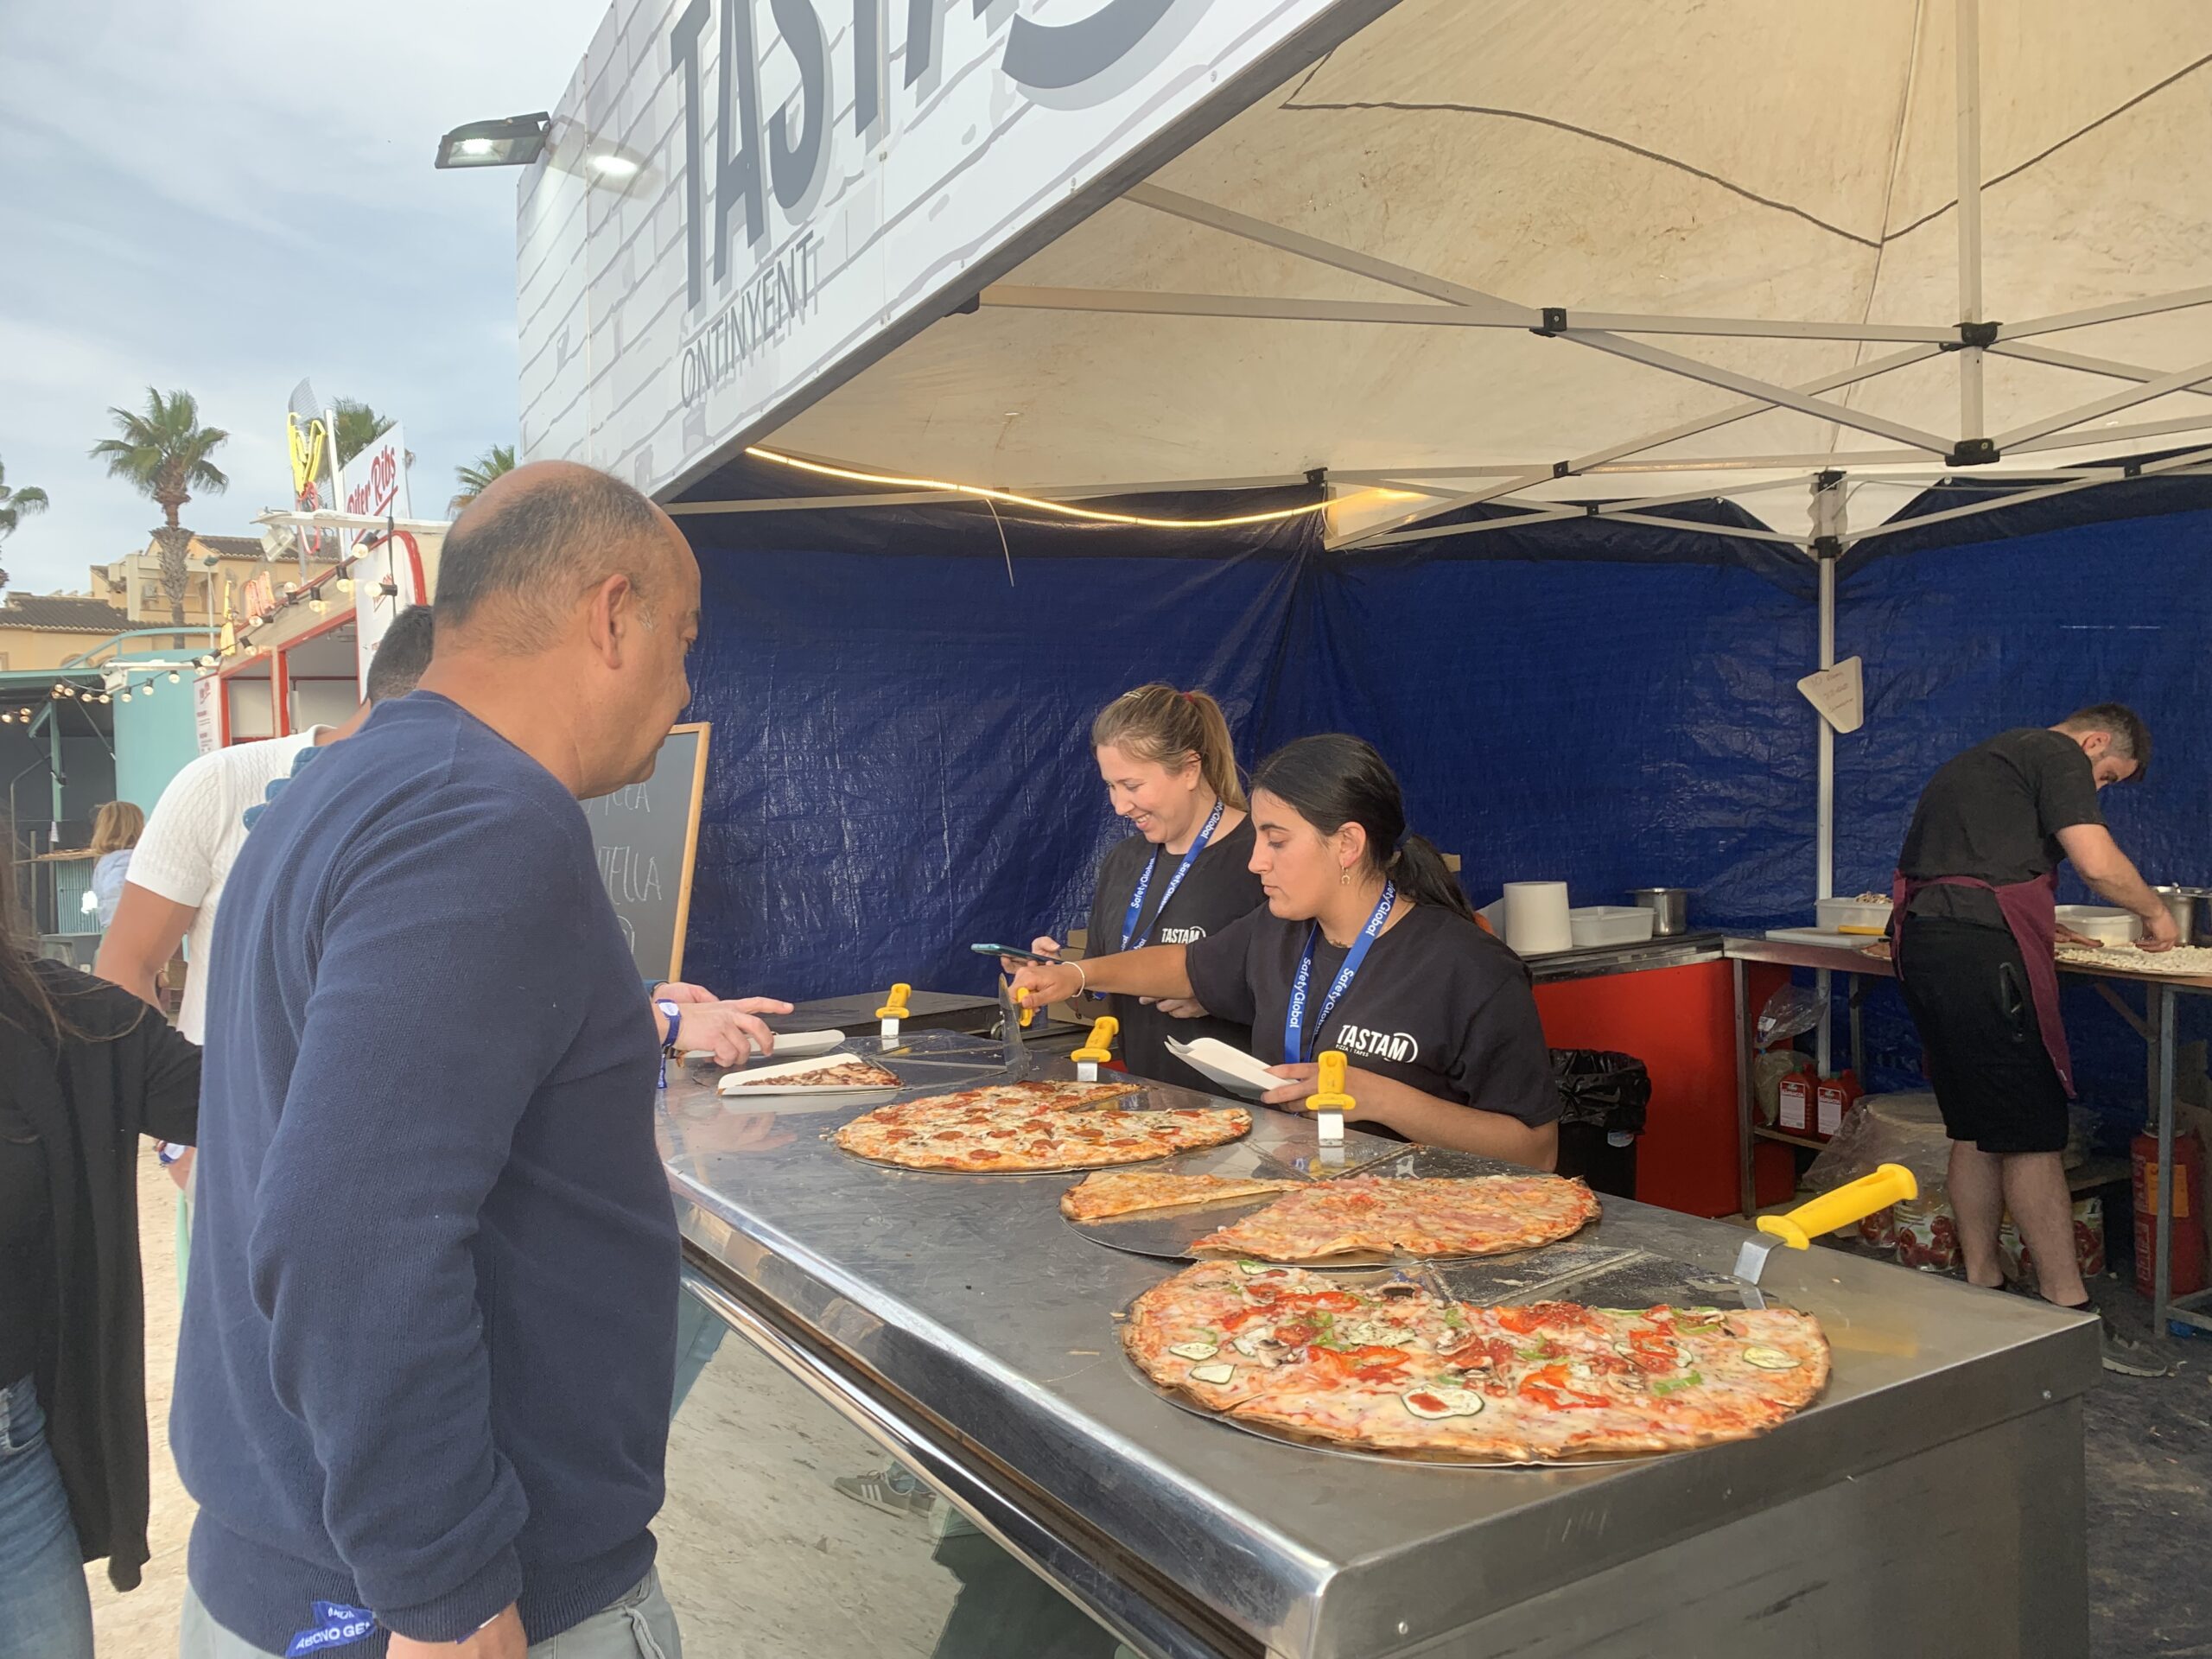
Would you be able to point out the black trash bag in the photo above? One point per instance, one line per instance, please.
(1601, 1089)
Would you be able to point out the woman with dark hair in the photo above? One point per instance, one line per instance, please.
(1170, 768)
(1368, 945)
(88, 1069)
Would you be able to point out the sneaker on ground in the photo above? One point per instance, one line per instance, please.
(2127, 1356)
(875, 1489)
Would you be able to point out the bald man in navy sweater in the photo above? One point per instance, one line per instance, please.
(423, 1381)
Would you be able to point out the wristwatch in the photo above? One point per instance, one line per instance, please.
(673, 1012)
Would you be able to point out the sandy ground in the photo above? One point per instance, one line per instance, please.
(142, 1625)
(750, 1464)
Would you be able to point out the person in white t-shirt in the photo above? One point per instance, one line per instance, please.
(184, 856)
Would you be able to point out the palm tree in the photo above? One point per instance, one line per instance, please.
(476, 476)
(359, 426)
(163, 452)
(15, 507)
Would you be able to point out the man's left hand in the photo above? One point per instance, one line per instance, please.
(730, 1030)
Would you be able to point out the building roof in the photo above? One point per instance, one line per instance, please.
(63, 613)
(232, 547)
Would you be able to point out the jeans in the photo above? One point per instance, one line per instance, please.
(641, 1625)
(44, 1612)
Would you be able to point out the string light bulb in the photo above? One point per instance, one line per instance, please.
(318, 605)
(345, 584)
(126, 694)
(147, 689)
(174, 677)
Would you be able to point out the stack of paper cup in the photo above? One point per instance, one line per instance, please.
(1535, 918)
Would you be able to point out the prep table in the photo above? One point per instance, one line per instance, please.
(956, 1323)
(2160, 994)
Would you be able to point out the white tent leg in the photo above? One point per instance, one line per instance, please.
(1971, 417)
(1829, 528)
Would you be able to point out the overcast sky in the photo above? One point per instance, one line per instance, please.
(230, 195)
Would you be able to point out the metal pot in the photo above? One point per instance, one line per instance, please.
(1670, 908)
(2183, 904)
(2191, 908)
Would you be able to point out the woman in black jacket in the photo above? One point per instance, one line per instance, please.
(85, 1069)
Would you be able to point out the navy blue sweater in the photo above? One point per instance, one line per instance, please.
(428, 1332)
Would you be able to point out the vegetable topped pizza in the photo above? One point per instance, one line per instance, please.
(1396, 1368)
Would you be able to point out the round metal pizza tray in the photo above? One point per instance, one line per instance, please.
(1057, 1169)
(1330, 1448)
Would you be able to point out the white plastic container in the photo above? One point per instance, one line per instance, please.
(1535, 918)
(2105, 925)
(1873, 914)
(1597, 925)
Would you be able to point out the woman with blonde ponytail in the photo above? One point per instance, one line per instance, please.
(1170, 768)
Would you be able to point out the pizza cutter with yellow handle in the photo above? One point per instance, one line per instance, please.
(1097, 1048)
(893, 1010)
(1853, 1201)
(1328, 1102)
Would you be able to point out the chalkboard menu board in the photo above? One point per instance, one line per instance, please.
(646, 836)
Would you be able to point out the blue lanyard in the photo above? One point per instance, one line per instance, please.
(1130, 936)
(1294, 1023)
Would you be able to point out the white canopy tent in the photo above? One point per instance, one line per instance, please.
(1545, 259)
(1638, 253)
(1812, 260)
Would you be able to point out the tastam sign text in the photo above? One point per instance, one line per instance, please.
(741, 196)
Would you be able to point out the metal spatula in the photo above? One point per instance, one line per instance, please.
(1853, 1201)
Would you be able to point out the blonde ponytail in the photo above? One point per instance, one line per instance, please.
(1158, 723)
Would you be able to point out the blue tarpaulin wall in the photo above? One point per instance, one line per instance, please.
(900, 764)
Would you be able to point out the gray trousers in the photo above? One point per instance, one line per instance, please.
(641, 1625)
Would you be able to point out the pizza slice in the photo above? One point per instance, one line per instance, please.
(842, 1074)
(1123, 1193)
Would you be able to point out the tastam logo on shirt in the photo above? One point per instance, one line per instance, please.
(1395, 1045)
(1181, 935)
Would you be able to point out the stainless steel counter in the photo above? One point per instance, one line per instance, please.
(966, 1328)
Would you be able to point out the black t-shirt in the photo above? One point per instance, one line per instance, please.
(1219, 889)
(1994, 813)
(26, 1246)
(1439, 1004)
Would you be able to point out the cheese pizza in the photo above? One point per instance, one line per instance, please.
(1484, 1215)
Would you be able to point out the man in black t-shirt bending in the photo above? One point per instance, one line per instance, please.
(1974, 930)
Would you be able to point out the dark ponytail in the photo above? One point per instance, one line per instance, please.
(1335, 780)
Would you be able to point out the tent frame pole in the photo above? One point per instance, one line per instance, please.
(2108, 366)
(1265, 307)
(1830, 527)
(2058, 322)
(1972, 419)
